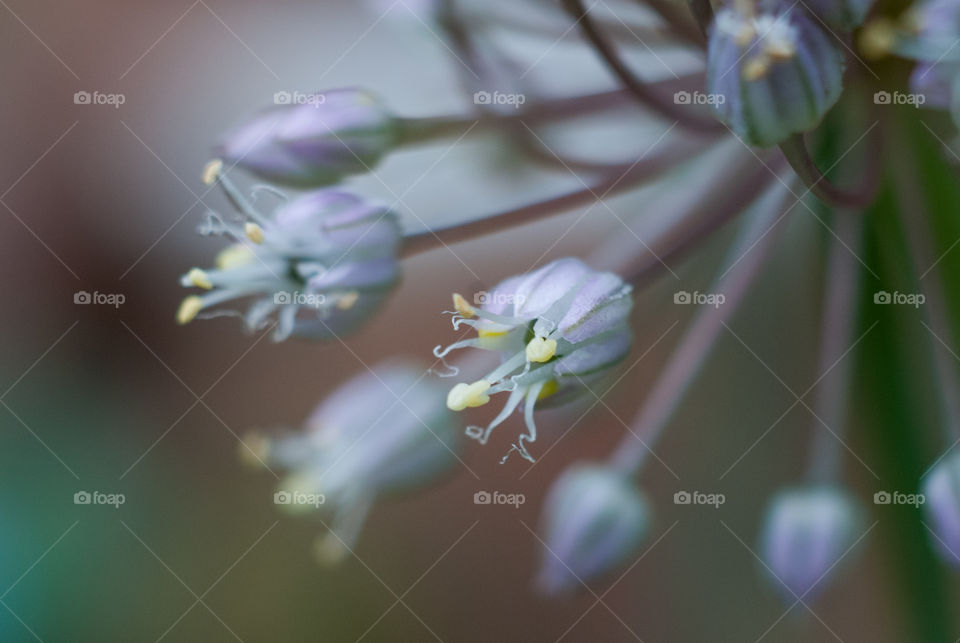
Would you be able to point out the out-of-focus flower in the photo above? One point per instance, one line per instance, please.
(384, 431)
(315, 141)
(840, 14)
(942, 506)
(558, 328)
(935, 31)
(327, 252)
(778, 72)
(595, 518)
(806, 533)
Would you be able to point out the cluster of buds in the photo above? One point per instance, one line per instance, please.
(327, 253)
(382, 432)
(778, 70)
(559, 329)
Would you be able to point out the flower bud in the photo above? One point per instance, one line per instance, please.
(778, 72)
(382, 432)
(316, 142)
(322, 264)
(559, 329)
(941, 489)
(807, 532)
(594, 520)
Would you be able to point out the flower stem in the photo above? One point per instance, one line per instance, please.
(746, 258)
(612, 183)
(702, 11)
(797, 154)
(651, 99)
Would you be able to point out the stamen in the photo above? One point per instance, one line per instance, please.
(211, 171)
(347, 301)
(254, 232)
(188, 310)
(541, 349)
(462, 306)
(234, 256)
(463, 395)
(199, 278)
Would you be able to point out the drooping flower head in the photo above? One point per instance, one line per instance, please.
(807, 533)
(383, 431)
(777, 69)
(315, 141)
(558, 329)
(595, 518)
(322, 263)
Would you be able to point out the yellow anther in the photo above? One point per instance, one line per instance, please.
(464, 396)
(491, 333)
(756, 68)
(211, 171)
(347, 301)
(189, 308)
(878, 38)
(462, 306)
(541, 349)
(233, 256)
(780, 49)
(253, 232)
(199, 278)
(548, 389)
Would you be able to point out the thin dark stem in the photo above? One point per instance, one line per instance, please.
(647, 97)
(796, 152)
(702, 11)
(833, 390)
(611, 184)
(674, 16)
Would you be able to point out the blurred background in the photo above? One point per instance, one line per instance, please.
(118, 399)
